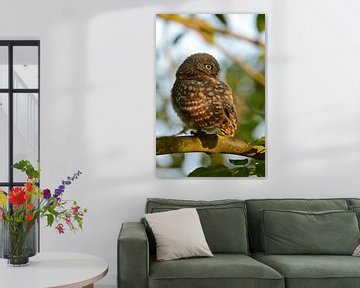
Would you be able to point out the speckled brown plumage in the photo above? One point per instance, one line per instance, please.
(201, 99)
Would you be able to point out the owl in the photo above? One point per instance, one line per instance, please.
(200, 99)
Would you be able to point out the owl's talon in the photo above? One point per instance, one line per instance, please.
(199, 133)
(183, 131)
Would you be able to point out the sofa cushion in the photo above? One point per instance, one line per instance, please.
(313, 271)
(356, 209)
(254, 206)
(222, 270)
(223, 221)
(297, 232)
(353, 201)
(178, 234)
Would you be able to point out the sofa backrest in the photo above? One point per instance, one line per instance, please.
(256, 205)
(353, 202)
(223, 221)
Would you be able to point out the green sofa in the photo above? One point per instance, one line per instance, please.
(237, 233)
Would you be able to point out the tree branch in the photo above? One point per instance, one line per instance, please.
(208, 143)
(203, 27)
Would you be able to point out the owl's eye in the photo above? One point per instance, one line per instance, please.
(208, 66)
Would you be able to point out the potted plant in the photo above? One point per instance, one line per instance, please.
(21, 208)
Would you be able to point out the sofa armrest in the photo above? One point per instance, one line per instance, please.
(133, 256)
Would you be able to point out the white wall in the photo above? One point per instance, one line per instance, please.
(97, 105)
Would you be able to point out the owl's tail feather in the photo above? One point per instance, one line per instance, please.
(228, 130)
(228, 126)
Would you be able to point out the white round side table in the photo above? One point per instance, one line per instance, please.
(50, 270)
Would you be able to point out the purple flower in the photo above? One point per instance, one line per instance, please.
(68, 181)
(46, 194)
(58, 192)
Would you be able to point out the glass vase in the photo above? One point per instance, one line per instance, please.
(18, 242)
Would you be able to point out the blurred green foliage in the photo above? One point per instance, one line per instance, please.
(260, 22)
(244, 168)
(249, 94)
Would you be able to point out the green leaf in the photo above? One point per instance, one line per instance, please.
(79, 221)
(260, 168)
(241, 172)
(258, 142)
(211, 171)
(260, 22)
(220, 171)
(222, 18)
(52, 211)
(238, 161)
(50, 219)
(28, 168)
(21, 165)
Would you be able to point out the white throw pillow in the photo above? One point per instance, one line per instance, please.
(178, 234)
(357, 251)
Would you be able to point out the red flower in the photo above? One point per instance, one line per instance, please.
(17, 196)
(29, 186)
(27, 196)
(29, 206)
(29, 217)
(60, 228)
(75, 209)
(68, 219)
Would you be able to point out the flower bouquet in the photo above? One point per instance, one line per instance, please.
(21, 208)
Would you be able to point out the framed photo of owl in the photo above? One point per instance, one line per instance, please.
(210, 95)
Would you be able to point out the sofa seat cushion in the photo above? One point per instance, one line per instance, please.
(313, 271)
(222, 270)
